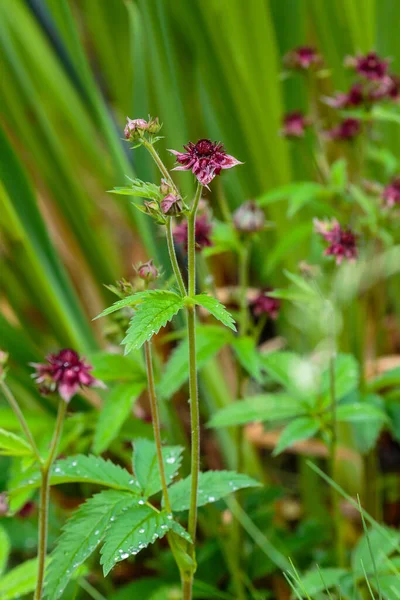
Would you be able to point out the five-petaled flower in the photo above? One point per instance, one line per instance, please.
(342, 241)
(263, 304)
(203, 230)
(205, 159)
(346, 130)
(65, 373)
(391, 193)
(294, 124)
(302, 57)
(370, 66)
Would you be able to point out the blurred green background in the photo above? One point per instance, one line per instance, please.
(72, 70)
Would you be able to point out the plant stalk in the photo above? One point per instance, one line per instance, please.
(44, 498)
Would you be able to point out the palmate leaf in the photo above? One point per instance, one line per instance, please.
(359, 412)
(213, 485)
(88, 469)
(347, 373)
(268, 407)
(209, 340)
(156, 308)
(135, 529)
(141, 189)
(13, 445)
(297, 430)
(114, 413)
(128, 301)
(145, 465)
(217, 309)
(83, 532)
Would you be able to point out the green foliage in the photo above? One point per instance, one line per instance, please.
(5, 547)
(19, 581)
(297, 430)
(155, 309)
(145, 465)
(140, 189)
(268, 407)
(359, 411)
(88, 469)
(346, 374)
(388, 379)
(83, 532)
(209, 340)
(115, 367)
(116, 409)
(13, 445)
(375, 546)
(246, 352)
(217, 309)
(213, 485)
(320, 580)
(128, 301)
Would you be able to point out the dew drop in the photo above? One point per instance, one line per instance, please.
(141, 502)
(211, 499)
(141, 530)
(171, 460)
(125, 555)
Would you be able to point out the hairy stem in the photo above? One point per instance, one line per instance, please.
(173, 259)
(18, 413)
(163, 169)
(44, 498)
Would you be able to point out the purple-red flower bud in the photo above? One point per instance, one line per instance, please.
(205, 159)
(203, 230)
(171, 204)
(303, 57)
(391, 193)
(248, 218)
(346, 130)
(135, 128)
(263, 304)
(165, 187)
(342, 241)
(294, 124)
(64, 373)
(148, 271)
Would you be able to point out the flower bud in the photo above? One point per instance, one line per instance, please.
(171, 205)
(248, 218)
(165, 187)
(135, 128)
(154, 125)
(148, 271)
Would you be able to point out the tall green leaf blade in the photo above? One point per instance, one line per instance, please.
(270, 407)
(21, 580)
(13, 445)
(156, 308)
(83, 532)
(145, 465)
(115, 411)
(213, 485)
(217, 309)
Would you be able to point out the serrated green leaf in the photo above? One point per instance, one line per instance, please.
(156, 308)
(128, 301)
(213, 485)
(297, 430)
(4, 549)
(131, 532)
(268, 407)
(83, 532)
(116, 367)
(209, 340)
(145, 465)
(298, 375)
(141, 189)
(89, 469)
(360, 412)
(217, 309)
(382, 546)
(115, 411)
(248, 356)
(13, 445)
(19, 581)
(346, 374)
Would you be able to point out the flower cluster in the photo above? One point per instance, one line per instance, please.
(391, 192)
(136, 128)
(205, 159)
(294, 124)
(303, 58)
(342, 241)
(65, 373)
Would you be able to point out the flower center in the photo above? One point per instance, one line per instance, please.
(204, 148)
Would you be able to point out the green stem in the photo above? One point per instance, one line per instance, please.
(173, 258)
(155, 417)
(18, 413)
(163, 169)
(243, 285)
(44, 498)
(333, 458)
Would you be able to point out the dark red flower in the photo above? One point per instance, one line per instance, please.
(342, 241)
(171, 204)
(346, 130)
(249, 218)
(263, 304)
(354, 97)
(302, 57)
(27, 510)
(391, 193)
(370, 66)
(203, 230)
(205, 159)
(64, 373)
(294, 124)
(148, 271)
